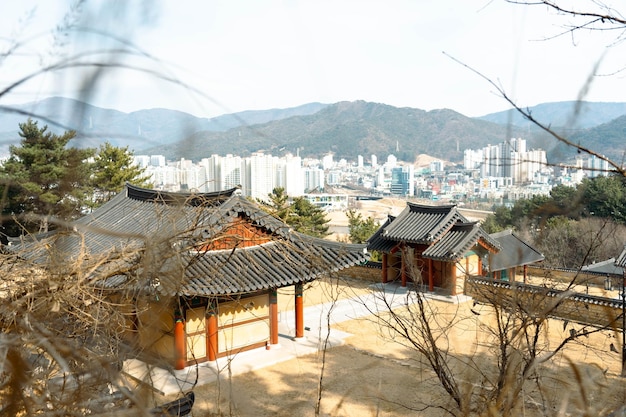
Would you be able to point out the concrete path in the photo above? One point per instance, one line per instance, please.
(317, 335)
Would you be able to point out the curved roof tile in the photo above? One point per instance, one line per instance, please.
(153, 223)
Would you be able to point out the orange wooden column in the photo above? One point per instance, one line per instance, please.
(299, 310)
(212, 331)
(384, 268)
(431, 283)
(180, 352)
(273, 317)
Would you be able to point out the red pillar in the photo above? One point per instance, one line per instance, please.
(273, 317)
(212, 331)
(180, 353)
(431, 283)
(299, 310)
(384, 268)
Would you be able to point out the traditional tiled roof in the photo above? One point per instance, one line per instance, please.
(271, 265)
(621, 259)
(377, 242)
(446, 232)
(156, 223)
(423, 224)
(604, 267)
(454, 244)
(515, 252)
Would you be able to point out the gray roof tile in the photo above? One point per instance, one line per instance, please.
(446, 232)
(515, 252)
(154, 223)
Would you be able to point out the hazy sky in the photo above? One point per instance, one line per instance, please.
(256, 54)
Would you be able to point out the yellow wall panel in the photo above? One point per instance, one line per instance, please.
(242, 335)
(245, 309)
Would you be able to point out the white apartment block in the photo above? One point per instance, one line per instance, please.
(294, 176)
(313, 179)
(596, 167)
(142, 161)
(260, 175)
(327, 162)
(510, 159)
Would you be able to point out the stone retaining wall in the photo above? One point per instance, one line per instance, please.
(371, 272)
(545, 302)
(568, 275)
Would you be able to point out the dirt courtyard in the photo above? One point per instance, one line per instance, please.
(374, 375)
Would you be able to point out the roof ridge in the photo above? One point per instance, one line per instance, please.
(168, 197)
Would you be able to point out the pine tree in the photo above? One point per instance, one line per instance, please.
(113, 167)
(45, 178)
(360, 228)
(278, 204)
(301, 214)
(307, 218)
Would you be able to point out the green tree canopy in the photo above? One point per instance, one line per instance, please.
(307, 218)
(278, 204)
(605, 197)
(360, 228)
(44, 177)
(301, 214)
(113, 167)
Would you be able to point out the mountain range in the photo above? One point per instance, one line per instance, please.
(346, 129)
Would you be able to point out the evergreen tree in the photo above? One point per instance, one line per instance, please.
(301, 214)
(605, 197)
(360, 228)
(45, 178)
(278, 204)
(307, 218)
(113, 167)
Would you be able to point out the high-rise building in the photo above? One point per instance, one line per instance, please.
(260, 176)
(157, 160)
(294, 177)
(313, 179)
(596, 167)
(402, 180)
(230, 172)
(327, 162)
(142, 161)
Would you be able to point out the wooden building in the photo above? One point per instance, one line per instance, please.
(432, 245)
(197, 274)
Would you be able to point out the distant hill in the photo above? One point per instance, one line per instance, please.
(348, 129)
(608, 139)
(568, 114)
(139, 130)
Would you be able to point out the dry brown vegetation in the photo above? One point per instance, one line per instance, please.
(375, 373)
